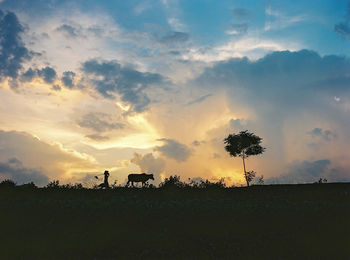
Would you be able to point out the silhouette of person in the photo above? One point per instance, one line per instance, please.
(105, 182)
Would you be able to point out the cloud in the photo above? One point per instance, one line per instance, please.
(99, 122)
(13, 169)
(48, 74)
(237, 124)
(68, 30)
(196, 143)
(149, 164)
(302, 172)
(68, 79)
(280, 20)
(54, 161)
(174, 150)
(56, 87)
(310, 172)
(109, 79)
(98, 138)
(238, 29)
(251, 47)
(173, 37)
(199, 100)
(13, 52)
(28, 75)
(240, 13)
(287, 78)
(325, 135)
(343, 28)
(142, 7)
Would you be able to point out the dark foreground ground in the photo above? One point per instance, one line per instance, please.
(260, 222)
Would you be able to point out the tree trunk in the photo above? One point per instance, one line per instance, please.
(245, 173)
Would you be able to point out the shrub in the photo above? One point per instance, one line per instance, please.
(172, 182)
(55, 184)
(76, 186)
(7, 184)
(29, 185)
(320, 181)
(212, 185)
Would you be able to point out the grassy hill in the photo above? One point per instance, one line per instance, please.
(269, 221)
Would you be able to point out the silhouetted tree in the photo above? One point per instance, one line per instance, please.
(244, 145)
(250, 176)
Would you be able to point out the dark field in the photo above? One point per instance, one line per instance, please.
(269, 222)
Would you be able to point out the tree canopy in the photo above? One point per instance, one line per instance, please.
(243, 144)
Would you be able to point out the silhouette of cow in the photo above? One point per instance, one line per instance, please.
(143, 177)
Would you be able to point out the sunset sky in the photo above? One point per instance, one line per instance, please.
(156, 85)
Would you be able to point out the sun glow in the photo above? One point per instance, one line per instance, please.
(146, 136)
(230, 176)
(122, 106)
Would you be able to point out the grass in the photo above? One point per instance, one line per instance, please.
(269, 221)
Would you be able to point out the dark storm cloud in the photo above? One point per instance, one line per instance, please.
(28, 75)
(13, 169)
(68, 79)
(99, 122)
(343, 28)
(13, 53)
(286, 79)
(48, 74)
(174, 150)
(326, 135)
(109, 78)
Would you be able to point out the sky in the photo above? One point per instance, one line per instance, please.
(156, 85)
